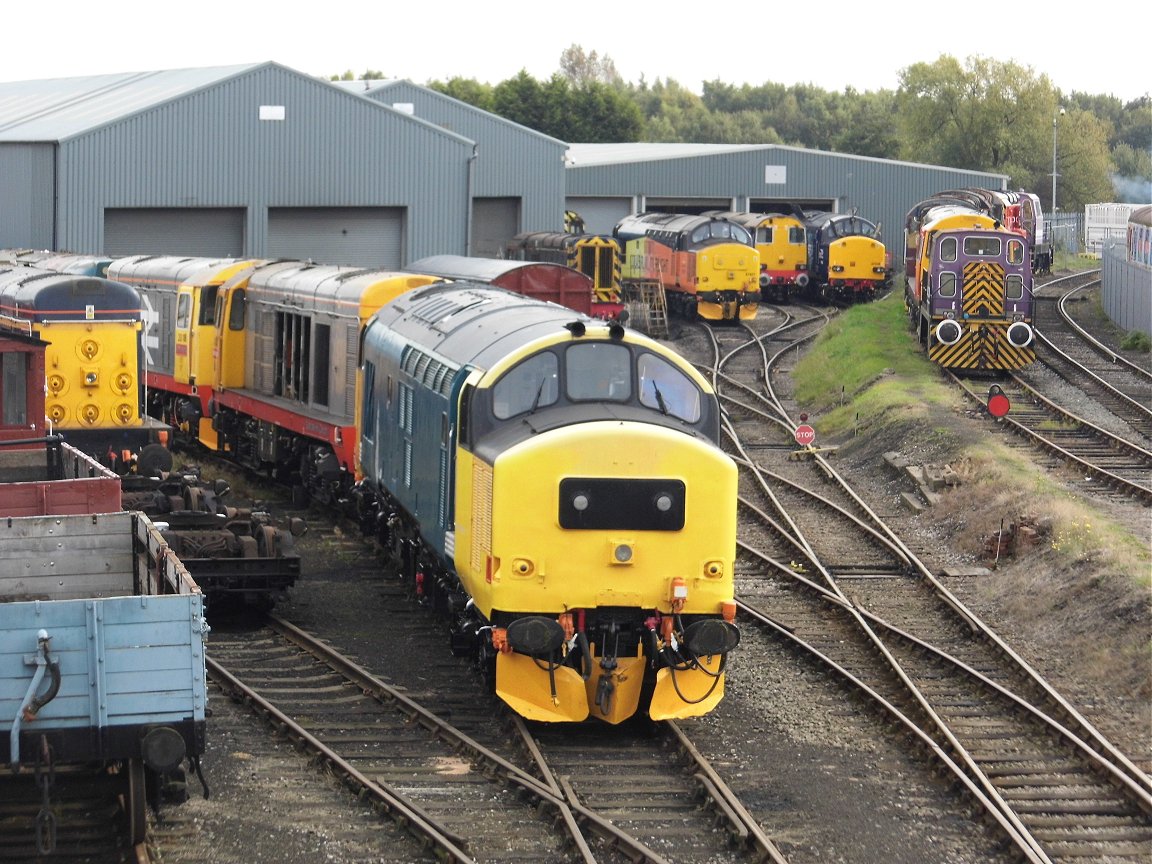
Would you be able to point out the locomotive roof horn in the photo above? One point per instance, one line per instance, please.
(576, 328)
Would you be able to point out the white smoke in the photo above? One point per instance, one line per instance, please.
(1132, 190)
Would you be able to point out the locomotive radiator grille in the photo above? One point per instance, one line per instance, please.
(982, 295)
(481, 514)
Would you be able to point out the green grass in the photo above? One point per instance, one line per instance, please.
(867, 364)
(1063, 260)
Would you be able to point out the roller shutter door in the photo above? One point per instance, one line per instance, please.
(654, 204)
(771, 205)
(495, 221)
(361, 236)
(600, 215)
(174, 231)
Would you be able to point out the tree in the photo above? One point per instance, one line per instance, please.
(867, 127)
(590, 113)
(467, 90)
(1083, 164)
(582, 69)
(998, 117)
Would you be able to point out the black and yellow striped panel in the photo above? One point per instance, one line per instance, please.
(982, 294)
(983, 345)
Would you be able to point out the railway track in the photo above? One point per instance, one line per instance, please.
(72, 815)
(465, 800)
(869, 611)
(1083, 404)
(440, 756)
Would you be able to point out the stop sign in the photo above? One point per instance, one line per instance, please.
(805, 435)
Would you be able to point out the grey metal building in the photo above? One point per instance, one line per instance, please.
(253, 160)
(519, 181)
(609, 181)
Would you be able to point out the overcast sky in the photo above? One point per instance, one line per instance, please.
(865, 48)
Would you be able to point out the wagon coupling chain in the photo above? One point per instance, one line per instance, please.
(45, 779)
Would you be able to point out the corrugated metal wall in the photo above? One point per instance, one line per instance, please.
(511, 160)
(1125, 290)
(213, 149)
(880, 190)
(26, 195)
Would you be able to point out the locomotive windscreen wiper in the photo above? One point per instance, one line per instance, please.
(539, 393)
(659, 398)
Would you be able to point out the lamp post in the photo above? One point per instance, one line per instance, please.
(1054, 118)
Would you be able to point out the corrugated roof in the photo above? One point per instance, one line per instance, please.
(375, 86)
(56, 109)
(614, 154)
(590, 155)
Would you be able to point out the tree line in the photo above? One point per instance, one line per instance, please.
(979, 115)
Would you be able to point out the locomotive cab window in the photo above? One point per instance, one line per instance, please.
(667, 389)
(1015, 252)
(947, 284)
(529, 385)
(183, 311)
(948, 249)
(598, 371)
(1014, 287)
(979, 246)
(208, 304)
(236, 311)
(764, 236)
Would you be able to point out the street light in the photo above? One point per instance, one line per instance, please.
(1054, 118)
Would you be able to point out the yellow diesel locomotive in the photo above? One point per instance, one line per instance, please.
(555, 483)
(93, 364)
(780, 240)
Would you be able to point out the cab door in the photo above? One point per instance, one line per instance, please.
(182, 366)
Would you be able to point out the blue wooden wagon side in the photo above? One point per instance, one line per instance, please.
(102, 640)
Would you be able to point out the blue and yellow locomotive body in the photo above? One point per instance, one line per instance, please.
(554, 481)
(847, 260)
(707, 267)
(970, 297)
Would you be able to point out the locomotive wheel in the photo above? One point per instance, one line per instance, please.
(193, 498)
(136, 804)
(155, 459)
(266, 541)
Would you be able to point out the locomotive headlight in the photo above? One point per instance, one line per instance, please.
(622, 553)
(580, 502)
(1020, 334)
(663, 502)
(91, 377)
(948, 332)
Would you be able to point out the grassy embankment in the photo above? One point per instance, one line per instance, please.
(868, 386)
